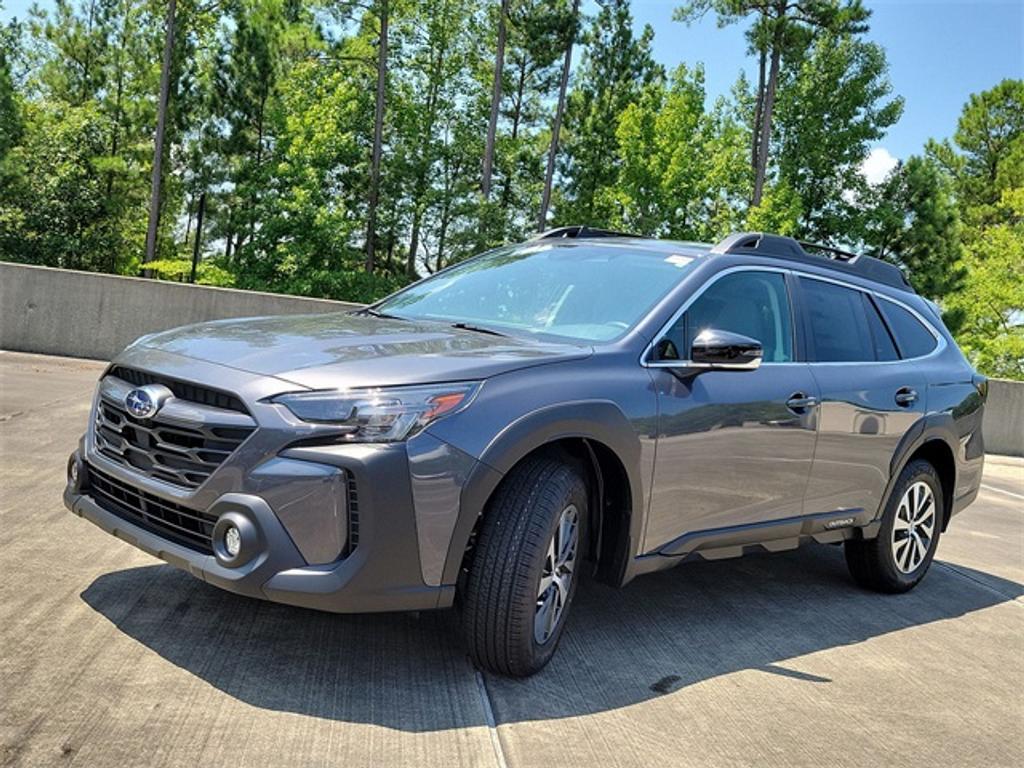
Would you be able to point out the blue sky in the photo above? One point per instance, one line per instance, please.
(939, 51)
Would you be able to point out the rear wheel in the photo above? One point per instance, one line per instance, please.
(898, 558)
(524, 573)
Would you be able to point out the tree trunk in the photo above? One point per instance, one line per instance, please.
(758, 107)
(442, 234)
(414, 244)
(260, 120)
(158, 143)
(115, 134)
(556, 127)
(517, 116)
(87, 64)
(441, 237)
(766, 117)
(199, 236)
(115, 137)
(188, 221)
(389, 268)
(378, 135)
(421, 178)
(492, 124)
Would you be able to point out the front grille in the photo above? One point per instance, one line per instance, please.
(171, 451)
(179, 524)
(182, 390)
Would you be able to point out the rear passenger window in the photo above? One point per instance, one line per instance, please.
(839, 327)
(913, 338)
(885, 349)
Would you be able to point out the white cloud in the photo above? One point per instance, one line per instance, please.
(877, 165)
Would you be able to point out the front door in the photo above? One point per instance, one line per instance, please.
(734, 447)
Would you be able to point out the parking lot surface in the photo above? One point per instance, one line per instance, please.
(110, 658)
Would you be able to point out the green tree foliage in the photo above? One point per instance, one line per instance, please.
(779, 211)
(913, 220)
(683, 170)
(271, 134)
(991, 304)
(77, 192)
(615, 69)
(986, 164)
(830, 110)
(537, 31)
(988, 150)
(10, 111)
(54, 212)
(779, 35)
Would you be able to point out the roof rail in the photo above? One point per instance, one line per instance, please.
(580, 230)
(830, 253)
(780, 247)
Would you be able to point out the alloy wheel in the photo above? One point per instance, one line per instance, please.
(914, 526)
(556, 577)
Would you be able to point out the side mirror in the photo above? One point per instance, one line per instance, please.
(726, 351)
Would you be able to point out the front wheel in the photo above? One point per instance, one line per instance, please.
(524, 572)
(898, 558)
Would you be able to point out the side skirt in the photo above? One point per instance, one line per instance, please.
(772, 536)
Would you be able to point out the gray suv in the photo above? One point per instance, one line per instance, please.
(584, 403)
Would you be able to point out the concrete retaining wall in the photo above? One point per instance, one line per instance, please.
(1003, 426)
(84, 314)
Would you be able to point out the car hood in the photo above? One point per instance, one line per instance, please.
(343, 350)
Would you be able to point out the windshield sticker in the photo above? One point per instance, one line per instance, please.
(679, 261)
(538, 248)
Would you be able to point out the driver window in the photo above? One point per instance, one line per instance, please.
(754, 304)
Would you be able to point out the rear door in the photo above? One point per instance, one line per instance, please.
(870, 397)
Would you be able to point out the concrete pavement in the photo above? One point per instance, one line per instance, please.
(110, 658)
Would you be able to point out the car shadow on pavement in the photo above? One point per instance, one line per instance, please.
(662, 633)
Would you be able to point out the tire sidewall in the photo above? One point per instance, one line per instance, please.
(916, 471)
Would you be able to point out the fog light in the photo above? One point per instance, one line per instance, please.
(232, 541)
(77, 476)
(235, 539)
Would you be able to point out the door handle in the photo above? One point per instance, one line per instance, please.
(801, 402)
(906, 397)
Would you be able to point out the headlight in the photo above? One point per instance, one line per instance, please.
(380, 415)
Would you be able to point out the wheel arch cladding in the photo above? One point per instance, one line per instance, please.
(937, 452)
(933, 438)
(595, 433)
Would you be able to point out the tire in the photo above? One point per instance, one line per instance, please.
(899, 557)
(502, 592)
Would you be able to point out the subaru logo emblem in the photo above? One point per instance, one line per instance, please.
(144, 402)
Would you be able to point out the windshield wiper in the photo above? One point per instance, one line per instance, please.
(478, 329)
(377, 313)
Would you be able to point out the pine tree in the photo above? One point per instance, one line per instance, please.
(913, 221)
(781, 30)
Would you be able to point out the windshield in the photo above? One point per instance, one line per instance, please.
(581, 291)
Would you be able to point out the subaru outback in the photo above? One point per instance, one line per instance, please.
(585, 404)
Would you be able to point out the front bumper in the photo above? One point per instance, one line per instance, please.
(300, 490)
(382, 573)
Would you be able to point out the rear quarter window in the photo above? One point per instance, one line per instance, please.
(912, 337)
